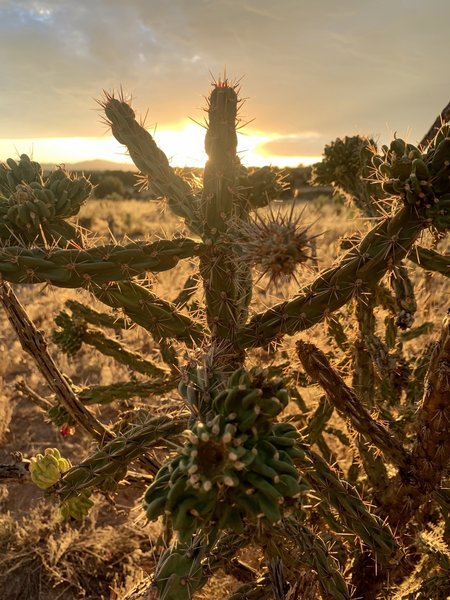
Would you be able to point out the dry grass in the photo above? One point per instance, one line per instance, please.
(43, 558)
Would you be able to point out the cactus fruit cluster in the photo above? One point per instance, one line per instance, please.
(46, 469)
(235, 465)
(237, 455)
(34, 206)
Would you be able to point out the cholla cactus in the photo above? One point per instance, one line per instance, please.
(236, 470)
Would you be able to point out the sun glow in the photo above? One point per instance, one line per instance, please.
(183, 146)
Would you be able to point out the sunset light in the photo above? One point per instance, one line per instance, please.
(183, 147)
(224, 299)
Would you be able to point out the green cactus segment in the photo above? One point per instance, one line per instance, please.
(419, 176)
(179, 573)
(318, 421)
(32, 207)
(151, 161)
(382, 247)
(235, 466)
(47, 469)
(431, 260)
(258, 187)
(72, 333)
(105, 394)
(226, 293)
(354, 514)
(13, 173)
(94, 317)
(346, 164)
(227, 286)
(85, 313)
(221, 169)
(317, 366)
(316, 554)
(102, 264)
(108, 466)
(159, 317)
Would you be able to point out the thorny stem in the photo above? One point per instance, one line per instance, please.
(33, 342)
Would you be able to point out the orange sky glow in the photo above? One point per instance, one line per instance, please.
(309, 72)
(182, 146)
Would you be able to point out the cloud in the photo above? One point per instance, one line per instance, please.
(337, 68)
(309, 143)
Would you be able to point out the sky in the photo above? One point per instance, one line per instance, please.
(309, 70)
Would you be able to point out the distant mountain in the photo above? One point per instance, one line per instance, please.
(96, 164)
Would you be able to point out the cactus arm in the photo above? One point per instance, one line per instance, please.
(104, 394)
(344, 399)
(354, 514)
(111, 347)
(317, 556)
(103, 343)
(430, 260)
(123, 390)
(431, 452)
(76, 267)
(220, 174)
(108, 466)
(150, 160)
(94, 317)
(226, 285)
(168, 353)
(34, 344)
(159, 317)
(33, 209)
(382, 247)
(346, 165)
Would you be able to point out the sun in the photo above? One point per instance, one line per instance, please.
(183, 144)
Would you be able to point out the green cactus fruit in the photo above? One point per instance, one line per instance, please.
(234, 466)
(77, 507)
(46, 469)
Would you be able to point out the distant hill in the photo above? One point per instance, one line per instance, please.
(97, 164)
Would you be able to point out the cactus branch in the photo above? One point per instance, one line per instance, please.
(382, 247)
(108, 465)
(150, 160)
(104, 344)
(431, 260)
(353, 513)
(344, 399)
(159, 317)
(33, 343)
(431, 452)
(77, 267)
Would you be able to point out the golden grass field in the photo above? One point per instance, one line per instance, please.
(43, 558)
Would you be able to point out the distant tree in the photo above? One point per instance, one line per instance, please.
(109, 185)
